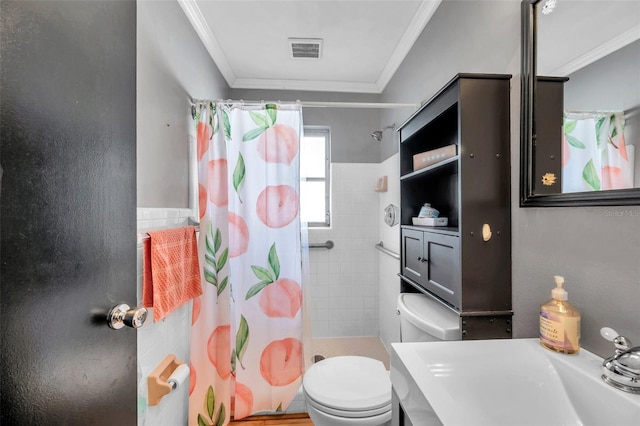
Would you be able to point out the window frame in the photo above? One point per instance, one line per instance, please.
(323, 131)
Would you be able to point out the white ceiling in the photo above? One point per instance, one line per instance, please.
(578, 33)
(364, 41)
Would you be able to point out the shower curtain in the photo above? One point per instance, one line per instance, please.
(246, 335)
(594, 154)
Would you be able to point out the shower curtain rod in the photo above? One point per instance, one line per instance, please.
(627, 113)
(318, 104)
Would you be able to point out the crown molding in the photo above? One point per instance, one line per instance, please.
(418, 23)
(305, 85)
(199, 23)
(599, 52)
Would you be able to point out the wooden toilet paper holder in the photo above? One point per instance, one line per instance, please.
(157, 382)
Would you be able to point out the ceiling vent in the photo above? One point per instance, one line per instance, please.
(306, 47)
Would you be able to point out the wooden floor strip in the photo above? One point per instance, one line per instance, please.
(292, 419)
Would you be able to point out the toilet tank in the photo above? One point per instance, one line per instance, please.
(423, 319)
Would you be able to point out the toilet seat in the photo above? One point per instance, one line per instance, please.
(348, 386)
(320, 418)
(347, 413)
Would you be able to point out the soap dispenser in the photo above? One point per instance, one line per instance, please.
(560, 322)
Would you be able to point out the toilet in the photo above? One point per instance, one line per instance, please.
(423, 319)
(356, 390)
(348, 390)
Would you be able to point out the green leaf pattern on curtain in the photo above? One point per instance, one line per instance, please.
(594, 154)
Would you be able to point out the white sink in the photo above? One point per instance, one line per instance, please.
(505, 382)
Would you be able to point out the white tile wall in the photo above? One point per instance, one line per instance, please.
(161, 218)
(344, 280)
(156, 340)
(388, 267)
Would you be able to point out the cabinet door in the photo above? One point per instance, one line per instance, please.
(441, 256)
(413, 264)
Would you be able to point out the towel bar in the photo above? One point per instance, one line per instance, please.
(145, 236)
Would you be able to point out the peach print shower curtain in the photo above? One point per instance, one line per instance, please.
(595, 155)
(246, 335)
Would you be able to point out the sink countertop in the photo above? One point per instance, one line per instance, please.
(505, 382)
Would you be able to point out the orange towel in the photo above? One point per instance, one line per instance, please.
(171, 273)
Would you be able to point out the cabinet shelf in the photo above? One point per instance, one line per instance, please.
(445, 167)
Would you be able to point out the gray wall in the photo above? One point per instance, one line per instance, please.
(596, 249)
(350, 127)
(173, 66)
(609, 83)
(462, 37)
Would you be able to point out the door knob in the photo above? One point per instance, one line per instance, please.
(122, 314)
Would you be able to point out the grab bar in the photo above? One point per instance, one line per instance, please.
(380, 246)
(327, 244)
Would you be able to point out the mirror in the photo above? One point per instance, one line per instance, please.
(580, 111)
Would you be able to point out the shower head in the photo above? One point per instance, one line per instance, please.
(377, 135)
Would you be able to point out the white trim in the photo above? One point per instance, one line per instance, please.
(311, 85)
(418, 23)
(199, 23)
(599, 52)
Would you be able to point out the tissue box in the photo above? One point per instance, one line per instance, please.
(425, 159)
(430, 221)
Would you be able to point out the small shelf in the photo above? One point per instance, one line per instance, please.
(448, 166)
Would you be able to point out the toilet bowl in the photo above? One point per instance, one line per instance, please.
(356, 390)
(348, 390)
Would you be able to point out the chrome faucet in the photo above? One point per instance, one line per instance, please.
(622, 370)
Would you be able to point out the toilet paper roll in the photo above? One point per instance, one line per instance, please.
(178, 376)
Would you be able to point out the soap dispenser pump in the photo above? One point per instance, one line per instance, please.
(560, 321)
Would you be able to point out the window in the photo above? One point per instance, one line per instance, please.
(314, 172)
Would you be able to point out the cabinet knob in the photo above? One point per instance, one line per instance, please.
(486, 232)
(422, 259)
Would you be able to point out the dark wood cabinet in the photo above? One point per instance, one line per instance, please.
(433, 260)
(467, 264)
